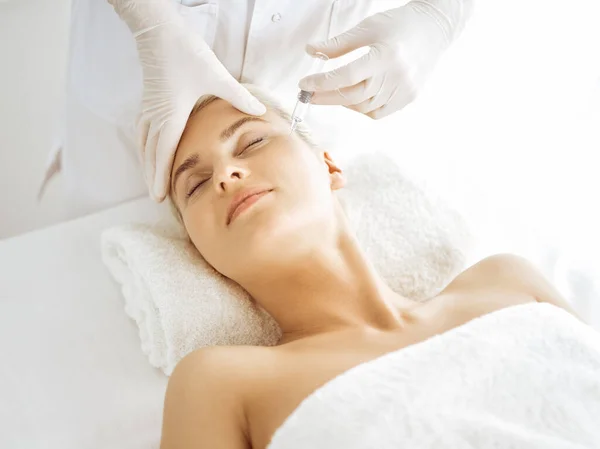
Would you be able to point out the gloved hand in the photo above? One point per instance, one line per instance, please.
(178, 68)
(405, 45)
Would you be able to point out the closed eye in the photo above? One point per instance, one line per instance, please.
(196, 187)
(252, 143)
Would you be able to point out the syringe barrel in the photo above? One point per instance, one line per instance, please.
(301, 107)
(305, 96)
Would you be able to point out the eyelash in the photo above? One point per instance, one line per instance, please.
(197, 186)
(255, 141)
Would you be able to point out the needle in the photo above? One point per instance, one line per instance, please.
(293, 127)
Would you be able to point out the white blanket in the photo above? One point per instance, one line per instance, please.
(527, 376)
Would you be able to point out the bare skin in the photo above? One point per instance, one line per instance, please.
(294, 253)
(237, 397)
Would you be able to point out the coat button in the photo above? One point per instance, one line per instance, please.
(276, 17)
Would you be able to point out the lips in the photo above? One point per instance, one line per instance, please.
(242, 200)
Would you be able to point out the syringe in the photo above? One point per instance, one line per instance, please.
(304, 97)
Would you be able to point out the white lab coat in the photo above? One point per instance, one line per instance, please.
(258, 41)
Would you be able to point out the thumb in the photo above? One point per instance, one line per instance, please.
(239, 97)
(354, 38)
(161, 145)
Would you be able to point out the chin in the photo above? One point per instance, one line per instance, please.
(269, 231)
(268, 238)
(276, 233)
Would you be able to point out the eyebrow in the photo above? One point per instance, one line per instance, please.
(226, 134)
(231, 129)
(188, 164)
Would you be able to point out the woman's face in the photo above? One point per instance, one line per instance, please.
(250, 195)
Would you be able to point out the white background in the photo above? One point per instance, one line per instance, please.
(33, 50)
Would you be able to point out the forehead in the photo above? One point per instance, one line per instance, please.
(206, 125)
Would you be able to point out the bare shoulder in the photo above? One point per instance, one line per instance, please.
(204, 403)
(500, 270)
(219, 362)
(511, 274)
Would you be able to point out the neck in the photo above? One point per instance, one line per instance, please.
(330, 289)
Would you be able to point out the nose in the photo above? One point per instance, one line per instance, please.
(230, 176)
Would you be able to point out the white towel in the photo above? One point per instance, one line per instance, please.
(527, 376)
(180, 303)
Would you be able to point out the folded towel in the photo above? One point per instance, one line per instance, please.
(180, 303)
(527, 376)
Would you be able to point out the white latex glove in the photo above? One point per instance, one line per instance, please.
(405, 45)
(178, 68)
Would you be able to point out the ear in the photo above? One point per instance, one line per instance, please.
(336, 177)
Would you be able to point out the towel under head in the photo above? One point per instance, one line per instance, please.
(181, 303)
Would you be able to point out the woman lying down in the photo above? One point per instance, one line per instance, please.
(497, 359)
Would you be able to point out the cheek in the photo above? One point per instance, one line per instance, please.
(294, 166)
(308, 175)
(199, 222)
(305, 186)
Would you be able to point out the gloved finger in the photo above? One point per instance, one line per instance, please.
(166, 146)
(143, 129)
(381, 112)
(345, 96)
(239, 97)
(354, 38)
(149, 157)
(345, 76)
(398, 100)
(147, 152)
(364, 106)
(378, 99)
(228, 88)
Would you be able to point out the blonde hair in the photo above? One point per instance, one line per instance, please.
(271, 103)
